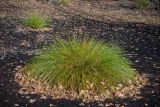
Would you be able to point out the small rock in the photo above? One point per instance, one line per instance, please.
(29, 54)
(21, 92)
(120, 85)
(107, 105)
(121, 95)
(23, 44)
(16, 105)
(111, 104)
(27, 97)
(83, 92)
(51, 105)
(43, 97)
(100, 105)
(146, 104)
(107, 94)
(32, 100)
(91, 85)
(81, 104)
(132, 87)
(18, 67)
(60, 87)
(96, 97)
(136, 61)
(117, 88)
(138, 92)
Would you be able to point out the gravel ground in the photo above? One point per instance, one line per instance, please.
(17, 45)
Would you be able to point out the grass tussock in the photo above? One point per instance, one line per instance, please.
(143, 4)
(64, 2)
(35, 21)
(77, 64)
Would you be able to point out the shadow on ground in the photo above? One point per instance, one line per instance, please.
(141, 43)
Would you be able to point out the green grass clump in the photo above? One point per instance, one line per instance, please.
(142, 3)
(65, 2)
(35, 21)
(77, 63)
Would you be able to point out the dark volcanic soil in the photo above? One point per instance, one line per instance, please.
(141, 42)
